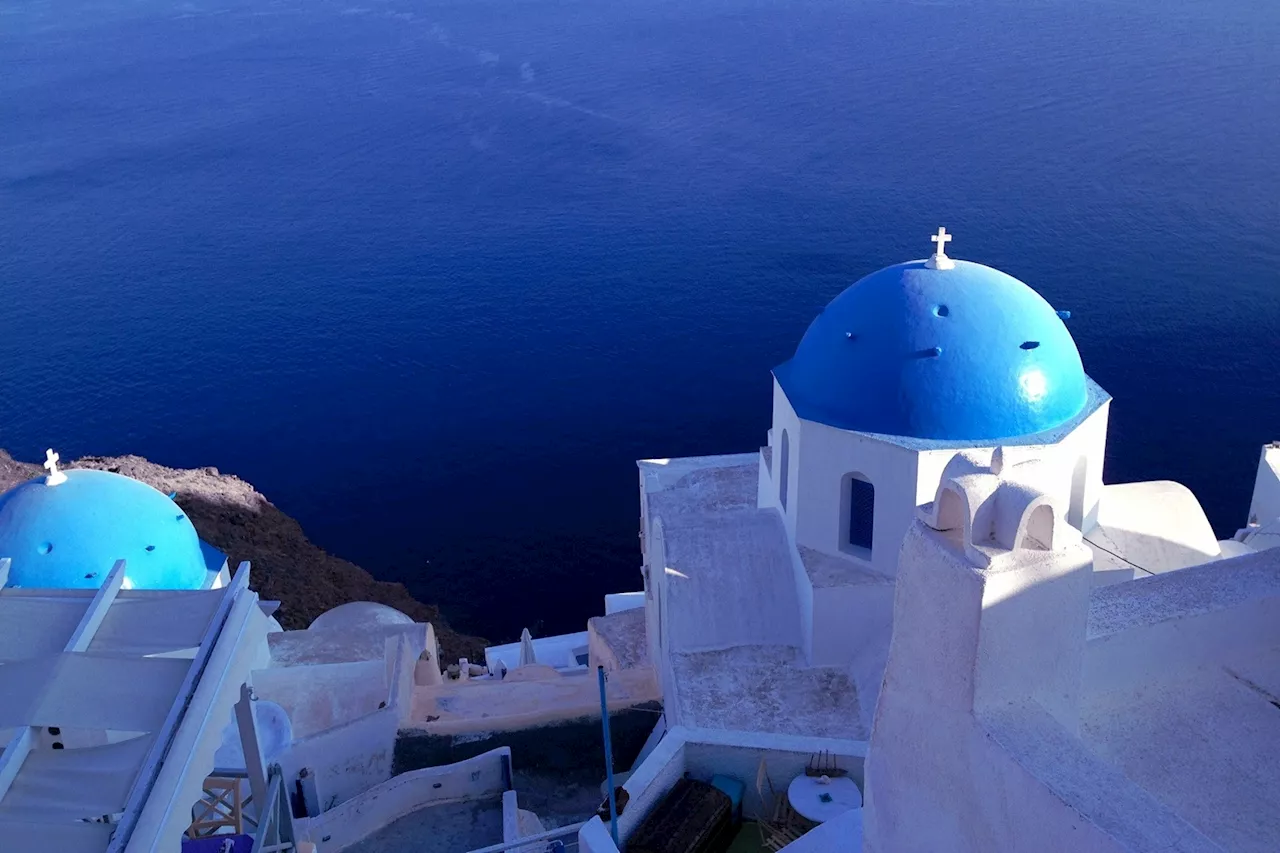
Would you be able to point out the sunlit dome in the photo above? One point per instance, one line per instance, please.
(68, 529)
(951, 351)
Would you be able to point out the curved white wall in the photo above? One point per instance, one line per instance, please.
(335, 830)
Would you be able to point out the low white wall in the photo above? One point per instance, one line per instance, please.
(1266, 486)
(1182, 620)
(651, 742)
(322, 696)
(651, 781)
(1180, 644)
(616, 602)
(348, 759)
(557, 651)
(599, 652)
(340, 827)
(510, 819)
(594, 838)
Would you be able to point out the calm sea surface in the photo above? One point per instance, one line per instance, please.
(432, 275)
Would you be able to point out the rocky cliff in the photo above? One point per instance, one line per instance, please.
(238, 520)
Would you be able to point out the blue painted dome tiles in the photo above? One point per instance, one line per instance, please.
(959, 353)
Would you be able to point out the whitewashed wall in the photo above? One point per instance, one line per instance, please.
(322, 696)
(821, 456)
(973, 748)
(828, 455)
(1178, 622)
(348, 759)
(595, 838)
(1266, 486)
(616, 602)
(340, 827)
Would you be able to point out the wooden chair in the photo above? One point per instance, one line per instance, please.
(222, 807)
(778, 823)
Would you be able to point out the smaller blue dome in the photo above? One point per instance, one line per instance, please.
(70, 535)
(961, 354)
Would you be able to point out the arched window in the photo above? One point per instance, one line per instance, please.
(1039, 533)
(861, 496)
(784, 470)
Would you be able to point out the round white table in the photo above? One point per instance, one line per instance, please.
(819, 798)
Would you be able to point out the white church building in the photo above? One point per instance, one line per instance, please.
(776, 582)
(902, 371)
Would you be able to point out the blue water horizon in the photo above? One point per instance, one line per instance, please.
(433, 275)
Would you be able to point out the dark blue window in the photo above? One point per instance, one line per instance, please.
(862, 512)
(784, 471)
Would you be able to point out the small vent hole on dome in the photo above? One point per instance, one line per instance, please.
(45, 547)
(941, 310)
(179, 517)
(1030, 344)
(151, 547)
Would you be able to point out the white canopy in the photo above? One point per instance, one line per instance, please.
(132, 671)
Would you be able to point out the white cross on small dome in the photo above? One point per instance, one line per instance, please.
(939, 259)
(55, 477)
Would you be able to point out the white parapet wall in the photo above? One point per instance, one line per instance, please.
(352, 757)
(487, 775)
(560, 651)
(1266, 487)
(346, 760)
(594, 838)
(616, 602)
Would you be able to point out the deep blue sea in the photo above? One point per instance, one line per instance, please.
(432, 274)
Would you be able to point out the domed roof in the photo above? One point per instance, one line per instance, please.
(275, 734)
(359, 614)
(964, 352)
(69, 535)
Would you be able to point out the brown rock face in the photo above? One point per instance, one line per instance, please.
(238, 520)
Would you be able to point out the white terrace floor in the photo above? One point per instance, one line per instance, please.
(732, 611)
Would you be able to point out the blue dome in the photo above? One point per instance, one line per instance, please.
(962, 354)
(71, 534)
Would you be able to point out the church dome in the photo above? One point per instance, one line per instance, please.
(359, 614)
(69, 535)
(959, 353)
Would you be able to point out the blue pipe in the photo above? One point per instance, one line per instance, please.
(608, 760)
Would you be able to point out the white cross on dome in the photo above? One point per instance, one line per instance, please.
(939, 259)
(51, 463)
